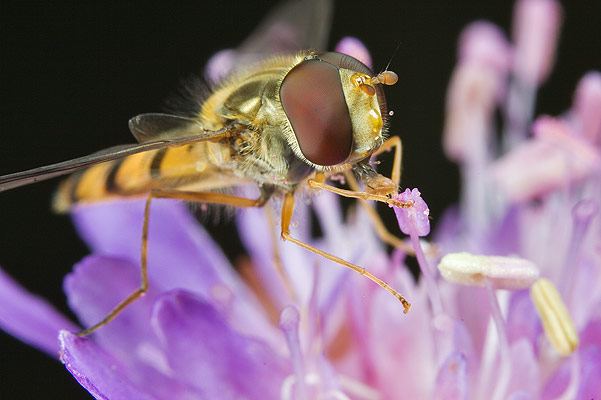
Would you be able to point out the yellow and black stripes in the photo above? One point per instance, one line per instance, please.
(138, 174)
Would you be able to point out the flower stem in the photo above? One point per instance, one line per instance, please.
(289, 324)
(431, 287)
(503, 380)
(582, 215)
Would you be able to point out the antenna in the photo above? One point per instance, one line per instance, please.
(393, 54)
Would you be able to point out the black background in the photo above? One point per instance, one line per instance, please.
(71, 76)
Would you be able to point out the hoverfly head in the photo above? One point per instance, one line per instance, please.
(334, 105)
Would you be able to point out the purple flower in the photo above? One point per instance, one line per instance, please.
(484, 324)
(414, 215)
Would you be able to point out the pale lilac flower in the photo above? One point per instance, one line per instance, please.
(536, 27)
(535, 33)
(414, 216)
(540, 203)
(586, 117)
(315, 330)
(554, 158)
(219, 65)
(354, 47)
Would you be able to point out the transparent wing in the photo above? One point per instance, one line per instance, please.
(292, 26)
(157, 126)
(17, 179)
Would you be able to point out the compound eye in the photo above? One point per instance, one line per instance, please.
(312, 97)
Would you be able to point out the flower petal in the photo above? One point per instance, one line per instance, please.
(219, 65)
(484, 43)
(524, 368)
(554, 158)
(590, 373)
(29, 317)
(522, 319)
(401, 359)
(451, 382)
(535, 32)
(96, 371)
(115, 229)
(181, 255)
(355, 48)
(96, 285)
(99, 283)
(588, 376)
(206, 353)
(415, 217)
(587, 103)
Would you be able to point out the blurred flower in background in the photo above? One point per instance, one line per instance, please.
(511, 312)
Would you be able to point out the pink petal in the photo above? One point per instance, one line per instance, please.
(96, 285)
(522, 318)
(219, 65)
(451, 382)
(553, 159)
(99, 283)
(587, 103)
(401, 360)
(355, 48)
(590, 373)
(416, 217)
(96, 371)
(206, 353)
(471, 97)
(536, 29)
(525, 373)
(484, 43)
(115, 228)
(29, 317)
(181, 254)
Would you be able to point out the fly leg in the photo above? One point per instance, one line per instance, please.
(362, 196)
(318, 183)
(199, 197)
(395, 142)
(380, 228)
(287, 210)
(276, 257)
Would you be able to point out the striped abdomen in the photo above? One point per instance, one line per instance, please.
(191, 167)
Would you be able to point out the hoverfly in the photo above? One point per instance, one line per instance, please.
(282, 123)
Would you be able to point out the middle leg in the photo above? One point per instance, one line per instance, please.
(287, 211)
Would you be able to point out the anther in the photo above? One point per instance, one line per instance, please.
(557, 324)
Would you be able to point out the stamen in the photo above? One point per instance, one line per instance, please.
(509, 273)
(289, 322)
(413, 218)
(504, 373)
(493, 272)
(587, 103)
(557, 323)
(582, 215)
